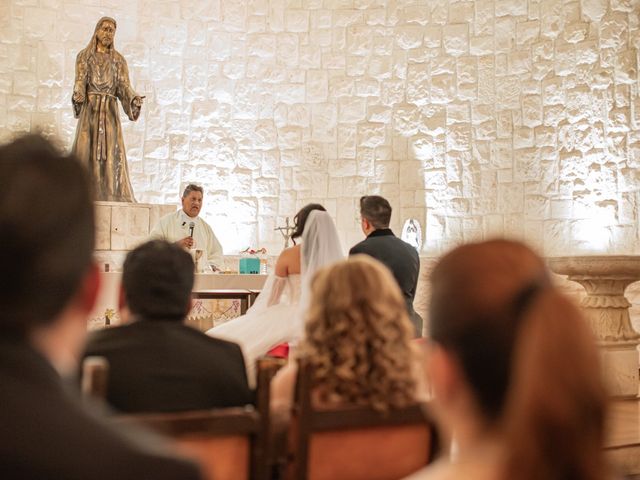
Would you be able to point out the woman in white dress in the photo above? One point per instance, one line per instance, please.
(276, 316)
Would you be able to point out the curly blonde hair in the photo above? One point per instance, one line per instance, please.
(358, 336)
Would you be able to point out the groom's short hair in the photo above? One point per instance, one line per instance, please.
(376, 210)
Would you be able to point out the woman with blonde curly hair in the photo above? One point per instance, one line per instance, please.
(358, 341)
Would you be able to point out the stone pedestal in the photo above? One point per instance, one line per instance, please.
(605, 279)
(121, 227)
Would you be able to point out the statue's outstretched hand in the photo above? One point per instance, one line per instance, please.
(137, 101)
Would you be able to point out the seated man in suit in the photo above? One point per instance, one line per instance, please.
(400, 257)
(48, 287)
(156, 363)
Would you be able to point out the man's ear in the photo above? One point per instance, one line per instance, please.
(443, 372)
(90, 289)
(189, 306)
(122, 298)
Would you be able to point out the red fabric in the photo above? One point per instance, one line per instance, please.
(279, 351)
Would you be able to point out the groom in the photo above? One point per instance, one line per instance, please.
(400, 257)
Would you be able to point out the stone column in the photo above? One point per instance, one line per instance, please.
(605, 279)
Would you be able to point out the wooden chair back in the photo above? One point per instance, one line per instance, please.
(220, 441)
(264, 456)
(355, 443)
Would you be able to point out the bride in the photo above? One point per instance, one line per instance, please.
(277, 315)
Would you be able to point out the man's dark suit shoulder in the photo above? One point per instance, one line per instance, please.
(104, 338)
(168, 366)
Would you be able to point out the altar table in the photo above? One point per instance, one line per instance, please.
(207, 286)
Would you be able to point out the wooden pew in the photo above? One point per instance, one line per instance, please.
(220, 441)
(354, 443)
(265, 453)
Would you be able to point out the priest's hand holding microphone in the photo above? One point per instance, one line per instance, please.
(188, 242)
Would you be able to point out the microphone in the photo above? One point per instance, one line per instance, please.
(192, 225)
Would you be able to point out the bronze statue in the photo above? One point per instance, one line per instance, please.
(102, 77)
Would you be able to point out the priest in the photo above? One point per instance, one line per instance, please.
(185, 228)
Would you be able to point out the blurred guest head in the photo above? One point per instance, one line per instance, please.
(300, 218)
(49, 282)
(358, 336)
(157, 280)
(512, 359)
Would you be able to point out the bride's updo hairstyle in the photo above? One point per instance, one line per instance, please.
(301, 218)
(527, 356)
(358, 336)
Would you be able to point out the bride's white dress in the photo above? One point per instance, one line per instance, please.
(277, 315)
(259, 331)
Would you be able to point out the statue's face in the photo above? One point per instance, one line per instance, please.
(105, 33)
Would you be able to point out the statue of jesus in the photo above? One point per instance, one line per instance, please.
(102, 77)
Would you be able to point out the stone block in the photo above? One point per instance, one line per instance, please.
(346, 17)
(481, 45)
(505, 34)
(510, 8)
(356, 186)
(407, 119)
(296, 20)
(439, 11)
(25, 84)
(442, 89)
(352, 110)
(508, 92)
(289, 137)
(626, 69)
(575, 32)
(545, 136)
(265, 187)
(129, 226)
(417, 90)
(435, 180)
(552, 20)
(365, 159)
(287, 49)
(613, 30)
(261, 45)
(386, 172)
(103, 227)
(527, 33)
(371, 134)
(593, 10)
(379, 113)
(416, 14)
(320, 37)
(532, 110)
(367, 87)
(359, 40)
(458, 113)
(409, 36)
(346, 141)
(456, 39)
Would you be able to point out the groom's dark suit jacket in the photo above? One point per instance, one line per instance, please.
(165, 366)
(403, 261)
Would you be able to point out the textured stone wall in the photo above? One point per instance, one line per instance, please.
(485, 117)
